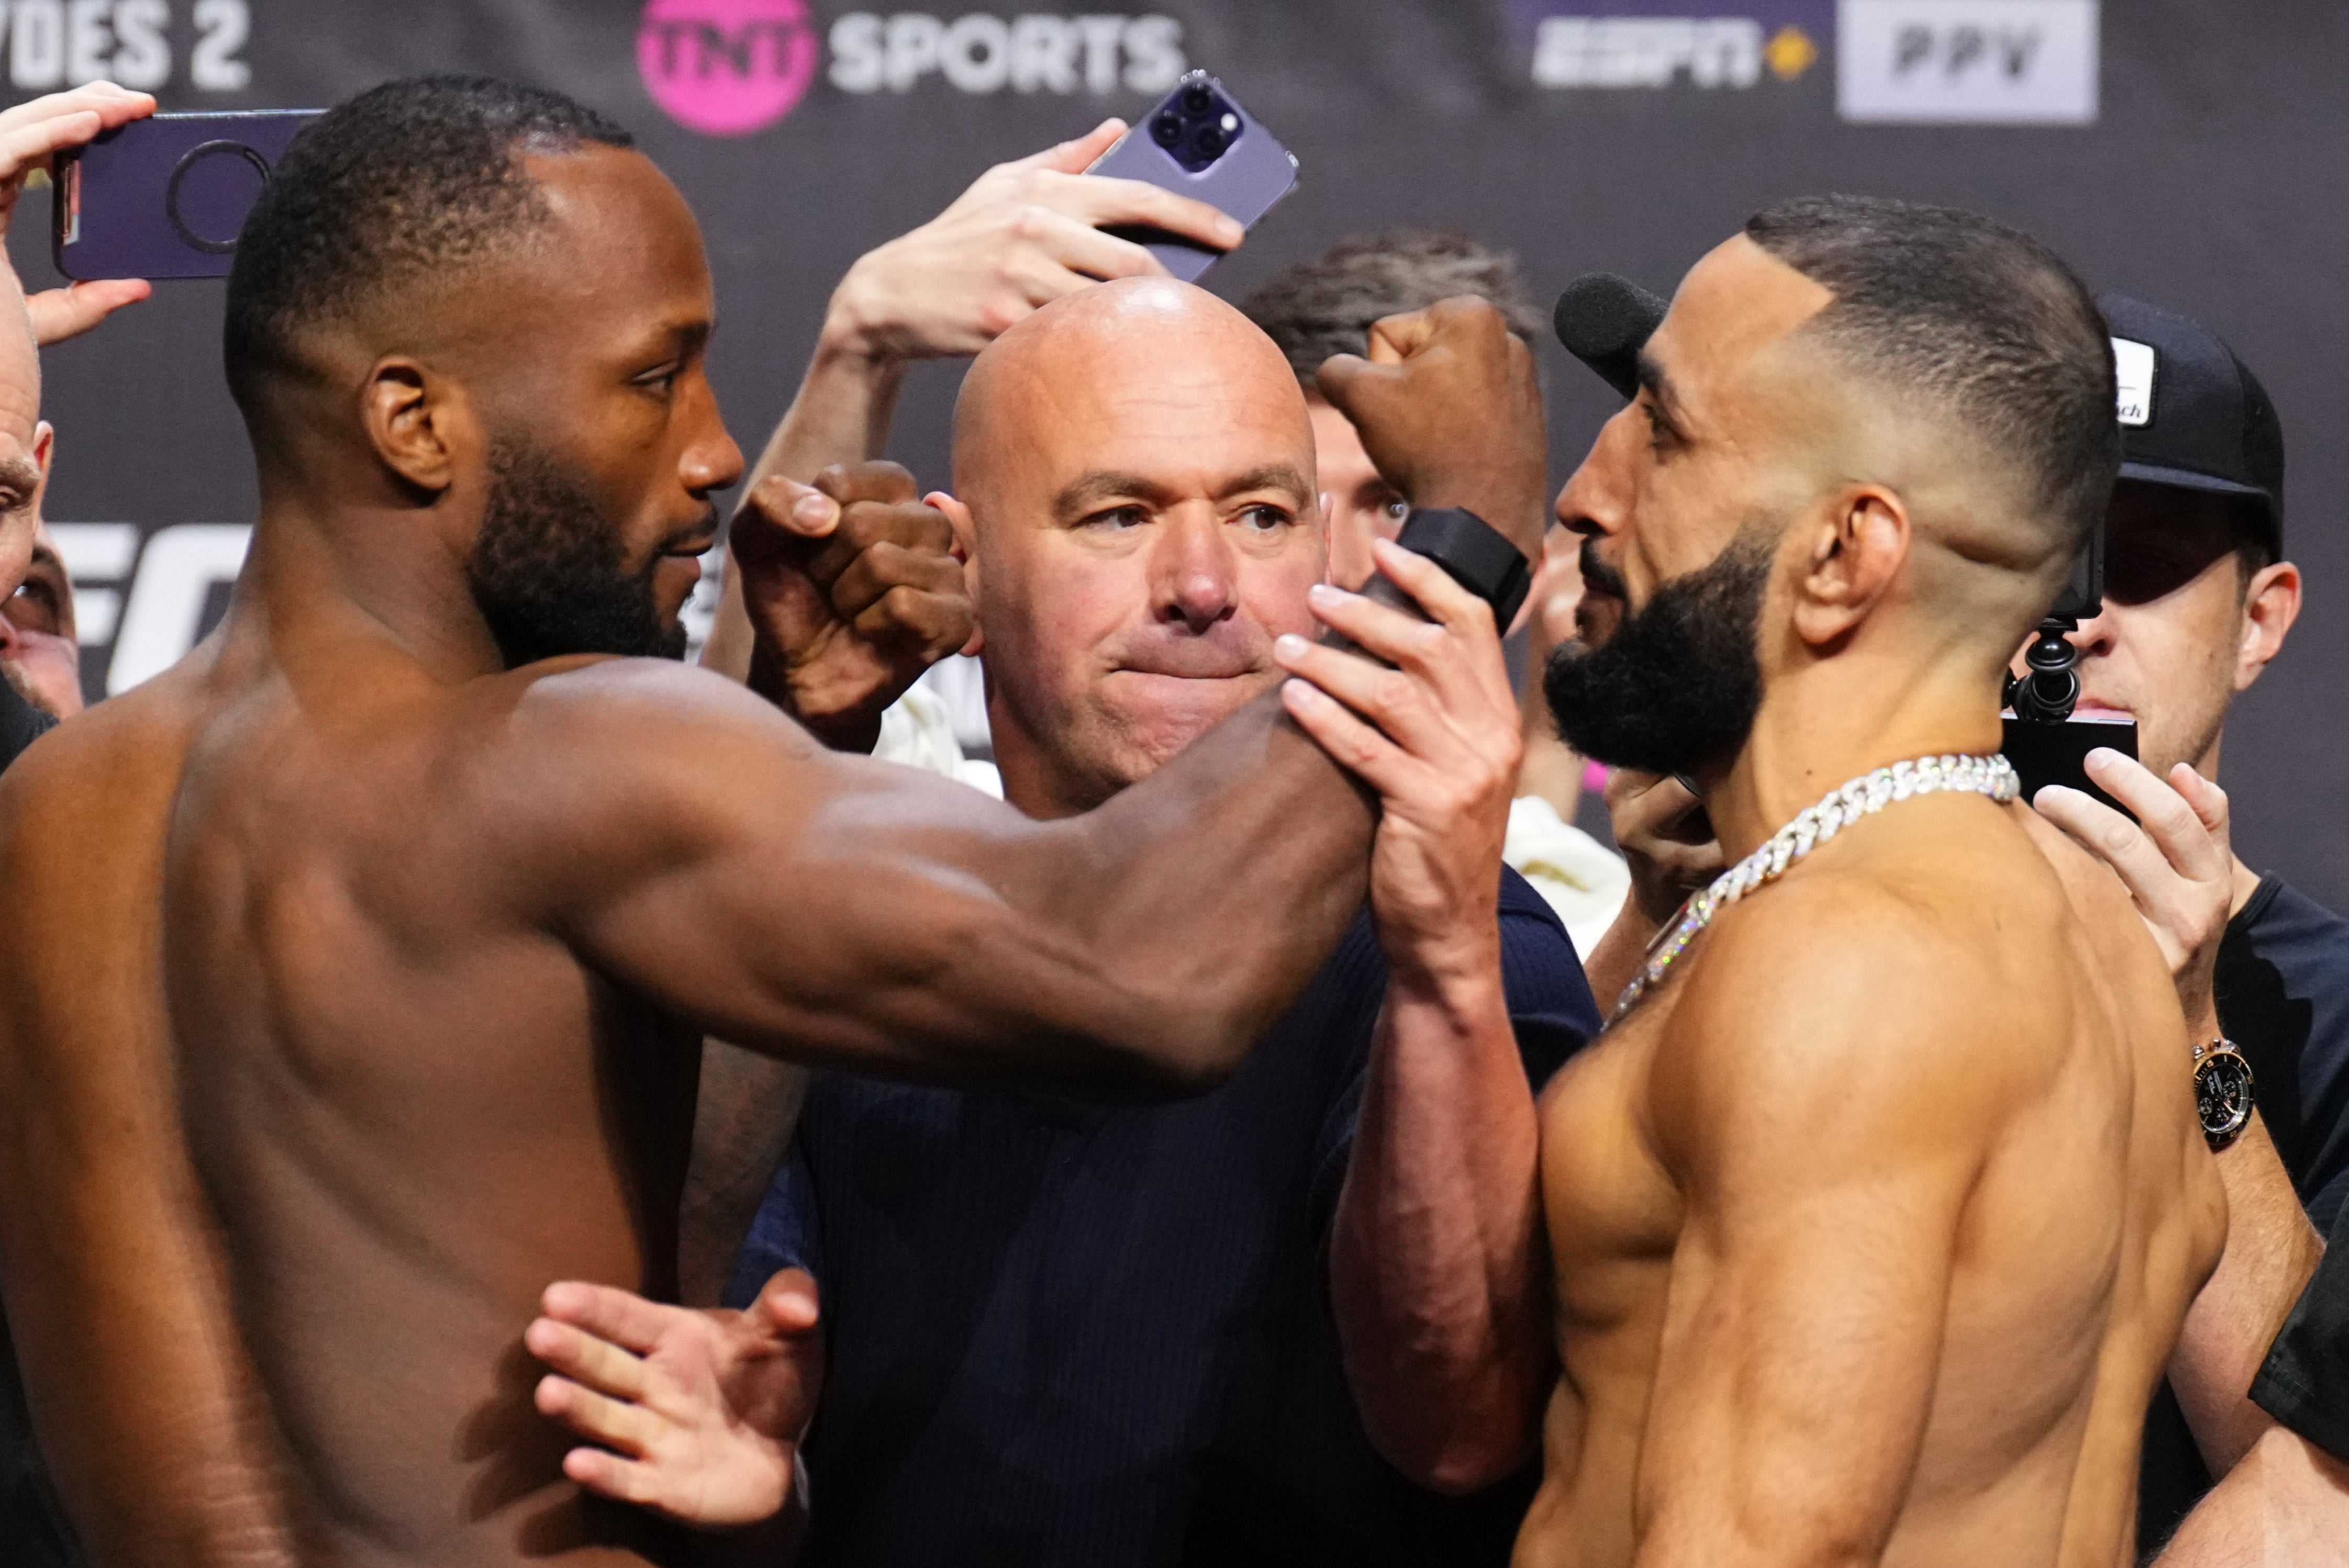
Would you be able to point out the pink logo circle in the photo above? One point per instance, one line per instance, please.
(726, 67)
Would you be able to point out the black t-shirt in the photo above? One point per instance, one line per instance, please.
(2284, 999)
(31, 1525)
(2305, 1382)
(1062, 1335)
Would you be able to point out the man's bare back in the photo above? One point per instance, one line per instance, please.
(1945, 1029)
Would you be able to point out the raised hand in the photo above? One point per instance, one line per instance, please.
(1436, 736)
(2174, 861)
(31, 135)
(1024, 234)
(1447, 408)
(1666, 840)
(852, 591)
(697, 1414)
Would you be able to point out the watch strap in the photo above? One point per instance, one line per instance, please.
(1476, 556)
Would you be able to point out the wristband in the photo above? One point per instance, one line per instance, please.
(1474, 556)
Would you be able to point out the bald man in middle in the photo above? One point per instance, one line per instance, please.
(1061, 1334)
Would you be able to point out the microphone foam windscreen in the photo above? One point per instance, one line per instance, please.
(1604, 320)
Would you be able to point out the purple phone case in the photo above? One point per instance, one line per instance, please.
(1251, 176)
(164, 198)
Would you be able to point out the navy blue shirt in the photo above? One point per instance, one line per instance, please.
(2284, 998)
(1060, 1334)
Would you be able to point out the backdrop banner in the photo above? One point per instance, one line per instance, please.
(2179, 152)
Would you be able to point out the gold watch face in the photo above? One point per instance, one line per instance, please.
(2222, 1094)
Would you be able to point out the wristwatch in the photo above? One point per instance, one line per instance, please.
(2222, 1093)
(1474, 554)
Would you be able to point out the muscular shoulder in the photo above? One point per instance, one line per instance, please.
(576, 762)
(1852, 1000)
(92, 768)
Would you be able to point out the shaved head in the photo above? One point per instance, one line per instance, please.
(1091, 356)
(1135, 485)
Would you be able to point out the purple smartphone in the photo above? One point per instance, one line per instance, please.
(1199, 142)
(166, 197)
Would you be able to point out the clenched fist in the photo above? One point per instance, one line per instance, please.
(1448, 410)
(852, 591)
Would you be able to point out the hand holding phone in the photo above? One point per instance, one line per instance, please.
(1199, 142)
(33, 136)
(1025, 233)
(2175, 858)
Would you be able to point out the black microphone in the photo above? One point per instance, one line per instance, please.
(1604, 321)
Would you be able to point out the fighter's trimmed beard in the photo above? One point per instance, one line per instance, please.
(1676, 688)
(548, 572)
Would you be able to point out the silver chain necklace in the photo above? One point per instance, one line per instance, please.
(1863, 796)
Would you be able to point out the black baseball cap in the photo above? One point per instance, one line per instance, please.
(2193, 416)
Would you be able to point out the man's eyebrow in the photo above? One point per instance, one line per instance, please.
(1281, 477)
(1658, 386)
(686, 338)
(45, 556)
(1084, 495)
(22, 475)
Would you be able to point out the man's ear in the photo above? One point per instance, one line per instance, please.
(966, 550)
(1853, 553)
(45, 457)
(420, 422)
(2270, 604)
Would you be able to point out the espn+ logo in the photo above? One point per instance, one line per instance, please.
(729, 67)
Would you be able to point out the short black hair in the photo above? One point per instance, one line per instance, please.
(1981, 319)
(1328, 305)
(412, 178)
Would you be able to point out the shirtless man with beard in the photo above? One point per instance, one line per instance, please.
(385, 929)
(1874, 1214)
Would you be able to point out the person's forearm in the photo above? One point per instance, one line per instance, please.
(2272, 1250)
(741, 1130)
(1611, 965)
(842, 413)
(1436, 1258)
(2286, 1505)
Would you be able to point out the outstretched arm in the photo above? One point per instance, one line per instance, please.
(815, 905)
(1825, 1134)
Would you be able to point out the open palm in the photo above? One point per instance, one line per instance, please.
(696, 1414)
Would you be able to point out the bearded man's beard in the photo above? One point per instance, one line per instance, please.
(549, 572)
(1676, 688)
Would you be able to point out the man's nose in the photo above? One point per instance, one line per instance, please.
(712, 460)
(1596, 499)
(2096, 637)
(1196, 574)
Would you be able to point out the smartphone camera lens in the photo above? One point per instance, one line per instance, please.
(1197, 100)
(1166, 130)
(1207, 143)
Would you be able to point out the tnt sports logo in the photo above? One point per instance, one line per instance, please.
(726, 67)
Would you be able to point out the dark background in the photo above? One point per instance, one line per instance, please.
(2211, 182)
